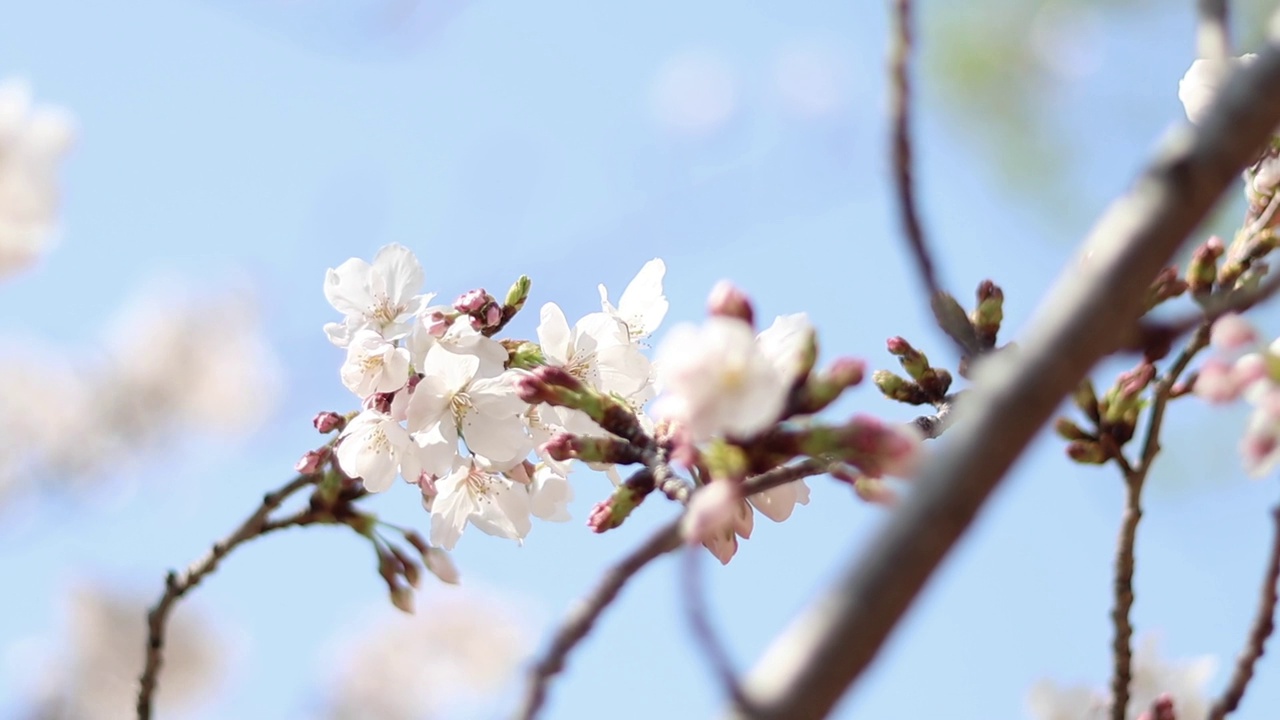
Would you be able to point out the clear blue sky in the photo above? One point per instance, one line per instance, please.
(280, 138)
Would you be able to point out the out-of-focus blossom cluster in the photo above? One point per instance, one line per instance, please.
(1245, 370)
(441, 407)
(169, 363)
(33, 141)
(458, 652)
(92, 672)
(1157, 686)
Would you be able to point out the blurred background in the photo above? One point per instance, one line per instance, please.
(160, 365)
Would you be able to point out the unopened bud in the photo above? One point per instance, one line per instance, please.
(875, 491)
(312, 461)
(1166, 285)
(568, 446)
(1202, 270)
(913, 361)
(727, 300)
(472, 300)
(1087, 452)
(989, 314)
(518, 294)
(1068, 430)
(328, 421)
(402, 598)
(1086, 399)
(900, 389)
(441, 565)
(820, 390)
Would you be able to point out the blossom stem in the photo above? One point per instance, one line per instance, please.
(178, 584)
(1263, 625)
(1134, 478)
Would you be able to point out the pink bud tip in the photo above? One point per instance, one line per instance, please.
(1232, 332)
(471, 300)
(727, 300)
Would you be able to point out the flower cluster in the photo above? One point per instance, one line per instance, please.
(441, 406)
(33, 141)
(1243, 369)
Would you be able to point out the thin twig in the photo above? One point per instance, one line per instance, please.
(811, 664)
(695, 604)
(1263, 625)
(1135, 477)
(178, 584)
(900, 111)
(575, 627)
(932, 426)
(1213, 36)
(578, 623)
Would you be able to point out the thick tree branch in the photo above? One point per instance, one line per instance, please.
(1084, 317)
(178, 584)
(1263, 625)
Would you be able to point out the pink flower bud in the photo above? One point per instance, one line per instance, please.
(441, 565)
(728, 301)
(1217, 382)
(492, 314)
(328, 421)
(601, 517)
(311, 463)
(875, 491)
(1232, 332)
(472, 300)
(437, 323)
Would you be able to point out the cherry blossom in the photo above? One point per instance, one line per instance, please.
(787, 342)
(382, 296)
(372, 448)
(1203, 80)
(778, 503)
(374, 365)
(716, 379)
(33, 141)
(642, 305)
(470, 494)
(452, 400)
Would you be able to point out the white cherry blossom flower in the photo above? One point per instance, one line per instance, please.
(374, 365)
(715, 379)
(786, 342)
(382, 296)
(470, 494)
(33, 141)
(372, 448)
(778, 503)
(549, 494)
(1203, 80)
(642, 305)
(451, 399)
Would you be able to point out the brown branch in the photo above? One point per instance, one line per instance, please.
(1213, 35)
(178, 584)
(578, 623)
(1263, 625)
(696, 613)
(1084, 317)
(1121, 643)
(942, 304)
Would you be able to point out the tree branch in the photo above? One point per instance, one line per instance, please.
(578, 623)
(178, 584)
(1263, 625)
(1213, 36)
(1134, 480)
(695, 604)
(1084, 317)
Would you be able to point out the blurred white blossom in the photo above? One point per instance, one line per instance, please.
(1183, 682)
(170, 363)
(458, 652)
(93, 672)
(33, 141)
(1203, 80)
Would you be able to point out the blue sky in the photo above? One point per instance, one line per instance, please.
(277, 139)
